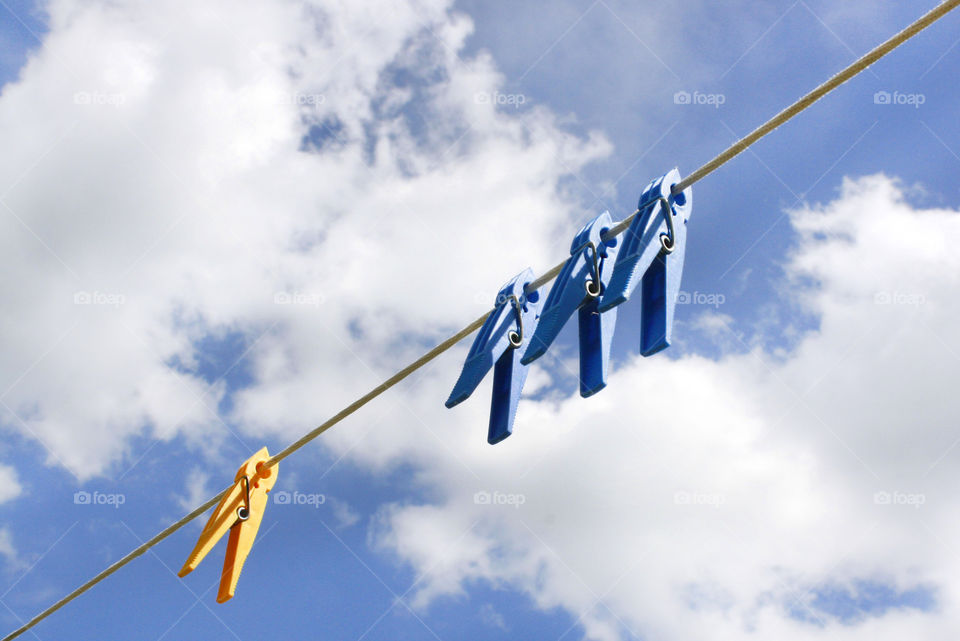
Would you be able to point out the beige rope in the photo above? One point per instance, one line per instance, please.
(706, 169)
(116, 566)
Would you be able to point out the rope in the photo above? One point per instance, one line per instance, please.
(116, 566)
(856, 67)
(735, 149)
(378, 390)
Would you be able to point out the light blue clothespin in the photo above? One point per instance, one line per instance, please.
(652, 250)
(510, 324)
(578, 286)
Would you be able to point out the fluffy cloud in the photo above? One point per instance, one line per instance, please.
(9, 484)
(789, 495)
(9, 489)
(286, 177)
(7, 550)
(197, 490)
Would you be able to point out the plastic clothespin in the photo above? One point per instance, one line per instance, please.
(578, 287)
(240, 511)
(652, 249)
(513, 319)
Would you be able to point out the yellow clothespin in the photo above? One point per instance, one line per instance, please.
(240, 511)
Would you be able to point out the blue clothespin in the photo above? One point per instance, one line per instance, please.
(579, 286)
(510, 324)
(652, 249)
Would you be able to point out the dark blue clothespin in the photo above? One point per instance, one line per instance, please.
(578, 286)
(652, 250)
(510, 324)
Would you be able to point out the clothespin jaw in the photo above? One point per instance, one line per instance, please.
(652, 253)
(240, 511)
(596, 336)
(581, 282)
(513, 320)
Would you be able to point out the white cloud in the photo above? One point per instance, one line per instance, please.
(345, 515)
(9, 484)
(697, 498)
(7, 550)
(9, 489)
(490, 616)
(156, 195)
(197, 492)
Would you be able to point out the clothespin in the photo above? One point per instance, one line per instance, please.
(579, 286)
(513, 319)
(652, 250)
(240, 511)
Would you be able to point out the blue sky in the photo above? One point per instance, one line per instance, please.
(347, 568)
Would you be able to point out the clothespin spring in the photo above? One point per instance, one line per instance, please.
(666, 240)
(516, 336)
(593, 286)
(243, 512)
